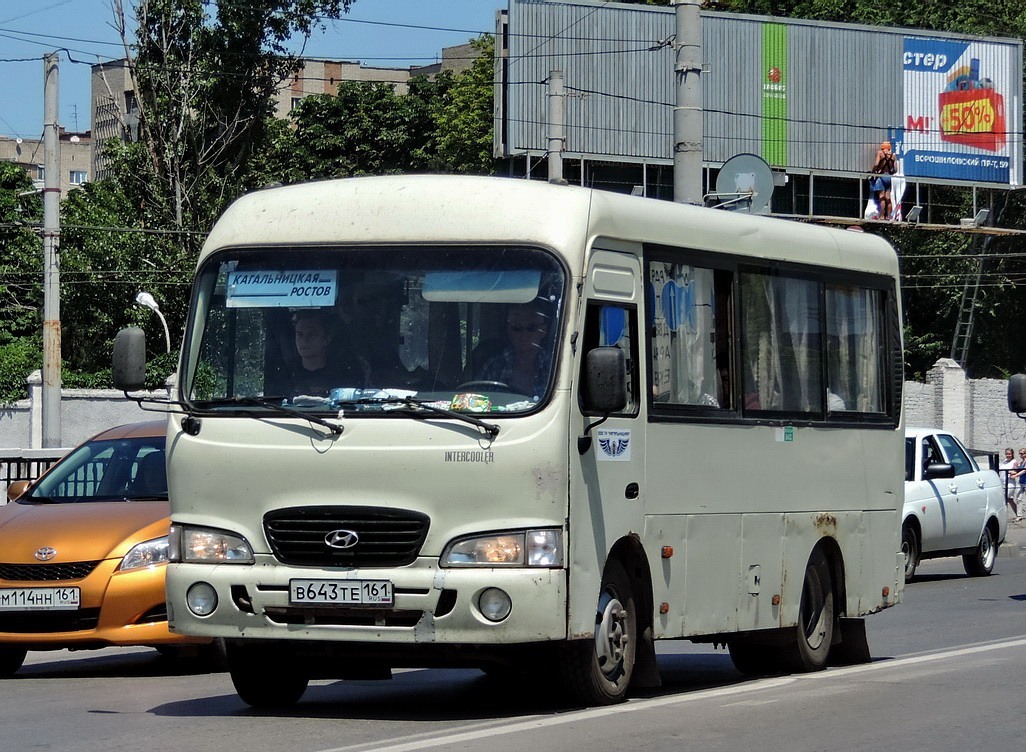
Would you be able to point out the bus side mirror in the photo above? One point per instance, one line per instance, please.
(129, 361)
(605, 380)
(1017, 393)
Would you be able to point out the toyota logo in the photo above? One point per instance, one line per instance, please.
(341, 539)
(45, 553)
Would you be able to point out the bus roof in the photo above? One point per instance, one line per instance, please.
(468, 209)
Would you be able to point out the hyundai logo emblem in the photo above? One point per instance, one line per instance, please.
(341, 539)
(45, 553)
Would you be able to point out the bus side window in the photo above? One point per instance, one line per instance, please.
(615, 326)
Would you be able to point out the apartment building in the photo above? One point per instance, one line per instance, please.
(75, 162)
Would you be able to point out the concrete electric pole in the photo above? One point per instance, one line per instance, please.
(557, 127)
(51, 262)
(687, 115)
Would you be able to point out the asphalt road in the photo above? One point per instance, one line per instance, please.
(946, 675)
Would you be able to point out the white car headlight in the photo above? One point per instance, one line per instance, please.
(145, 554)
(514, 548)
(205, 545)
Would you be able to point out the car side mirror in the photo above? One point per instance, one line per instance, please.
(605, 381)
(939, 470)
(16, 489)
(128, 365)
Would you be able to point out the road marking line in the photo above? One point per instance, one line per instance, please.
(428, 740)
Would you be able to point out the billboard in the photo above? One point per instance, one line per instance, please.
(956, 118)
(809, 97)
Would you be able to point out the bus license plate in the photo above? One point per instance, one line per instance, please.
(340, 592)
(40, 599)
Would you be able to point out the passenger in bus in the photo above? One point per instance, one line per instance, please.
(319, 369)
(523, 364)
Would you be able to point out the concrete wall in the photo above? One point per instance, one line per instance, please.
(975, 410)
(84, 412)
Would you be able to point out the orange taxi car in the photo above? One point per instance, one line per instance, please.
(83, 550)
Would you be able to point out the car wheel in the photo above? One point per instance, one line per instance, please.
(599, 671)
(11, 658)
(815, 630)
(980, 562)
(910, 548)
(266, 676)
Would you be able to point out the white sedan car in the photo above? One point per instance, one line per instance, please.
(952, 506)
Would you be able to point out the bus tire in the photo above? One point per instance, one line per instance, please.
(910, 548)
(266, 677)
(599, 671)
(816, 618)
(980, 563)
(11, 658)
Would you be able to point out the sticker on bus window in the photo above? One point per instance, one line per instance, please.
(614, 444)
(298, 288)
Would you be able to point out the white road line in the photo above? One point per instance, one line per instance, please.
(428, 740)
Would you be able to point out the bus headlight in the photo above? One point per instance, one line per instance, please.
(514, 548)
(205, 545)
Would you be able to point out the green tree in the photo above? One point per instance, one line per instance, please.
(463, 118)
(206, 75)
(21, 282)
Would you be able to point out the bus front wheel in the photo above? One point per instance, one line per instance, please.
(599, 671)
(265, 676)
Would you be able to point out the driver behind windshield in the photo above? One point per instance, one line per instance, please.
(323, 361)
(524, 362)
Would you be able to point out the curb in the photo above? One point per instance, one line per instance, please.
(1015, 541)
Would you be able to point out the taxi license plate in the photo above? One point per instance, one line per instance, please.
(340, 592)
(40, 599)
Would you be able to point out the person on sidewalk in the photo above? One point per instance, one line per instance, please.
(1019, 475)
(1012, 485)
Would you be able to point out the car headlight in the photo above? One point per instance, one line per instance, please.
(514, 548)
(145, 554)
(206, 545)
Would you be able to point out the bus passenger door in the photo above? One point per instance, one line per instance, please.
(607, 501)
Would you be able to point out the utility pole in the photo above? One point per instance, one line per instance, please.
(687, 115)
(51, 262)
(557, 127)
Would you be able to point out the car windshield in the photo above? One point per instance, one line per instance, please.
(113, 470)
(373, 330)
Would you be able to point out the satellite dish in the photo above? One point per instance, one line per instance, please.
(17, 140)
(745, 183)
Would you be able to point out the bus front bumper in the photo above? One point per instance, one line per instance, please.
(430, 604)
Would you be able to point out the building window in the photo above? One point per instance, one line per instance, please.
(77, 177)
(296, 101)
(40, 172)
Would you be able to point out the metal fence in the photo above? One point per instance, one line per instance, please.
(25, 464)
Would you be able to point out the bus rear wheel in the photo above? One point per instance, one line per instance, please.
(816, 618)
(266, 676)
(599, 671)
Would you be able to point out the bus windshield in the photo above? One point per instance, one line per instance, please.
(470, 329)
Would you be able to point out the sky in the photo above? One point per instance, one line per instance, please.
(390, 33)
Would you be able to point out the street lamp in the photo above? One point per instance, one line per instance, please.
(145, 299)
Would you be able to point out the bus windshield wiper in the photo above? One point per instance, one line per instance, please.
(416, 406)
(272, 403)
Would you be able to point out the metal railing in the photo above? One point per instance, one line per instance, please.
(25, 464)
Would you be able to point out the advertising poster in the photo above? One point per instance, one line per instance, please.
(957, 97)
